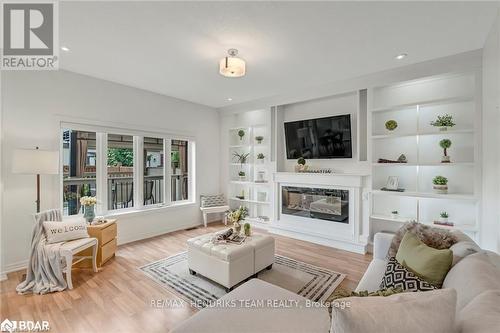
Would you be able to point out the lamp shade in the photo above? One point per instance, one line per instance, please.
(232, 67)
(35, 161)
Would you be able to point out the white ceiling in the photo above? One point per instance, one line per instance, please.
(173, 48)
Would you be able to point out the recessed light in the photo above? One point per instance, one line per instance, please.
(64, 48)
(401, 56)
(229, 99)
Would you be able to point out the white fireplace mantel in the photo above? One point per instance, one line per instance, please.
(338, 179)
(351, 236)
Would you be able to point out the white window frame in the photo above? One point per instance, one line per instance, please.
(138, 168)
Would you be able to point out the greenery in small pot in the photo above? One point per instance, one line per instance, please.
(237, 215)
(443, 217)
(241, 134)
(301, 165)
(241, 157)
(394, 214)
(440, 184)
(444, 122)
(260, 156)
(246, 229)
(391, 125)
(259, 139)
(241, 174)
(301, 161)
(445, 144)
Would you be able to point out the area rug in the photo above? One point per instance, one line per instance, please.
(312, 282)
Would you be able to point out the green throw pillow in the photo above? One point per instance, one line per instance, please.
(428, 263)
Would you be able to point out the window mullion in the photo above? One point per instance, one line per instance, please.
(167, 170)
(138, 171)
(102, 173)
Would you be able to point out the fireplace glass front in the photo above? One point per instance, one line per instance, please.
(319, 203)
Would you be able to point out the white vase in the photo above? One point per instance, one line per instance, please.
(443, 219)
(445, 159)
(443, 128)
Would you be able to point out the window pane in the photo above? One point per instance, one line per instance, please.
(179, 164)
(153, 171)
(79, 168)
(120, 171)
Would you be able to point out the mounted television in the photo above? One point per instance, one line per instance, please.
(328, 137)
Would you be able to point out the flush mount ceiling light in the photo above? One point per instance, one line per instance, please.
(232, 66)
(401, 56)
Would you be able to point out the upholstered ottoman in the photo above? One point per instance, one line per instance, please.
(229, 264)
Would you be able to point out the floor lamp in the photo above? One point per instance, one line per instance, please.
(35, 162)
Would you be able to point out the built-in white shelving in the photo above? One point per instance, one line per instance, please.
(257, 194)
(414, 105)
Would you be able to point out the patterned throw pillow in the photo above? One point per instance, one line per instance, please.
(396, 275)
(212, 200)
(436, 238)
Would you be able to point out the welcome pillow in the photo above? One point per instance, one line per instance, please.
(65, 231)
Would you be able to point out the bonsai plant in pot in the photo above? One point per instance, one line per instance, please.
(260, 157)
(443, 122)
(241, 134)
(445, 144)
(391, 125)
(259, 139)
(301, 165)
(440, 184)
(242, 175)
(443, 217)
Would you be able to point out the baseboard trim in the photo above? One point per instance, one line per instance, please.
(134, 238)
(17, 266)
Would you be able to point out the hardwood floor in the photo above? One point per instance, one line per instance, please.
(119, 297)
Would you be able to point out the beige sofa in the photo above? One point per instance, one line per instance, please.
(475, 276)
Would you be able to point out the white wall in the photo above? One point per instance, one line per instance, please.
(490, 229)
(35, 102)
(325, 107)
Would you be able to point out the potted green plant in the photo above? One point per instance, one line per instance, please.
(259, 139)
(241, 157)
(246, 229)
(241, 134)
(394, 214)
(443, 217)
(443, 122)
(391, 125)
(235, 216)
(445, 144)
(260, 157)
(301, 165)
(242, 175)
(440, 184)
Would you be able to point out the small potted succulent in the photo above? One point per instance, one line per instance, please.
(241, 134)
(260, 157)
(445, 144)
(301, 165)
(394, 214)
(440, 184)
(391, 125)
(259, 139)
(241, 157)
(443, 217)
(443, 122)
(242, 175)
(247, 229)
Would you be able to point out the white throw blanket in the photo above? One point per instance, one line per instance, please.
(44, 272)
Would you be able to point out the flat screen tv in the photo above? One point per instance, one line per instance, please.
(328, 137)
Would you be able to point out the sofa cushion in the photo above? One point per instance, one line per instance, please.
(485, 306)
(472, 276)
(248, 316)
(436, 238)
(398, 276)
(212, 200)
(427, 263)
(428, 312)
(373, 275)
